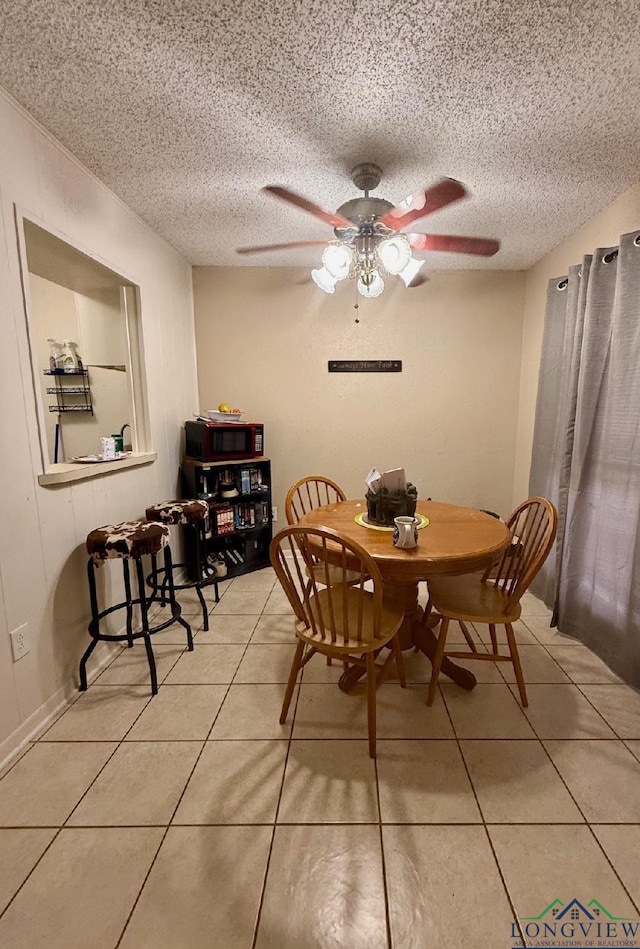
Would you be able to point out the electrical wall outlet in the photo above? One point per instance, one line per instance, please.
(274, 513)
(20, 644)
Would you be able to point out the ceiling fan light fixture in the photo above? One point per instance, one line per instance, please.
(372, 288)
(367, 238)
(394, 253)
(337, 260)
(410, 271)
(323, 279)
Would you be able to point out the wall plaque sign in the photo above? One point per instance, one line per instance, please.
(365, 365)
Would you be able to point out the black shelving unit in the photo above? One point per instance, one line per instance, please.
(70, 397)
(238, 527)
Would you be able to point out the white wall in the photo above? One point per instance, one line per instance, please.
(264, 338)
(603, 230)
(42, 558)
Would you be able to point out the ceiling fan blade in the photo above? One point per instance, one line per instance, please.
(418, 280)
(426, 202)
(483, 246)
(329, 217)
(265, 247)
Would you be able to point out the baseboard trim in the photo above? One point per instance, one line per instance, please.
(14, 743)
(11, 747)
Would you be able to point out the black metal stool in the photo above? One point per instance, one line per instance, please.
(191, 514)
(130, 540)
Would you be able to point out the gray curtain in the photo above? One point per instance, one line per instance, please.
(586, 453)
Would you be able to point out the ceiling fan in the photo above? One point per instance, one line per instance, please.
(367, 233)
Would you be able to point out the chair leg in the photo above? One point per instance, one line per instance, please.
(152, 664)
(205, 614)
(163, 591)
(515, 659)
(328, 660)
(127, 594)
(83, 664)
(200, 571)
(145, 628)
(95, 621)
(494, 638)
(397, 652)
(176, 609)
(291, 681)
(152, 579)
(371, 703)
(467, 635)
(437, 660)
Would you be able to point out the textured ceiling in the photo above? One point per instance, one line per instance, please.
(186, 108)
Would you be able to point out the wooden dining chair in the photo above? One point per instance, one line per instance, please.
(494, 597)
(338, 618)
(309, 493)
(302, 497)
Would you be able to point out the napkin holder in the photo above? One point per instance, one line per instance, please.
(384, 505)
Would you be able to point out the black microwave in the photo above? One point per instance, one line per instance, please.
(223, 441)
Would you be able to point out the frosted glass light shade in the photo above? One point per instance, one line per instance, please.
(394, 253)
(337, 260)
(374, 289)
(324, 280)
(410, 270)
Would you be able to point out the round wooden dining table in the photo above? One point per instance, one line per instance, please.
(456, 540)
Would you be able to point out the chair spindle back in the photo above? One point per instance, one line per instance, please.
(334, 609)
(309, 493)
(533, 527)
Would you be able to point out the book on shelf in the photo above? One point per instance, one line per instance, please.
(224, 520)
(261, 513)
(244, 516)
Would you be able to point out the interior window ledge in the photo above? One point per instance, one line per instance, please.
(61, 474)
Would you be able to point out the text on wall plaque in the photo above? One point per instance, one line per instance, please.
(365, 365)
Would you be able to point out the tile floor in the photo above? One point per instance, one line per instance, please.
(193, 820)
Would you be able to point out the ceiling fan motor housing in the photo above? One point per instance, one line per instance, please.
(361, 211)
(366, 176)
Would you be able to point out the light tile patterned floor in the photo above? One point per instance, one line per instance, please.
(194, 820)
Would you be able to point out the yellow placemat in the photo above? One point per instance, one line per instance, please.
(363, 521)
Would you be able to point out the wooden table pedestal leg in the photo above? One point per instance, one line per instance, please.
(413, 633)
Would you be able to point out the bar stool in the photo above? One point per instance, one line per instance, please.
(191, 514)
(130, 540)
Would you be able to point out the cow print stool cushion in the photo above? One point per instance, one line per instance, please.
(178, 512)
(129, 539)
